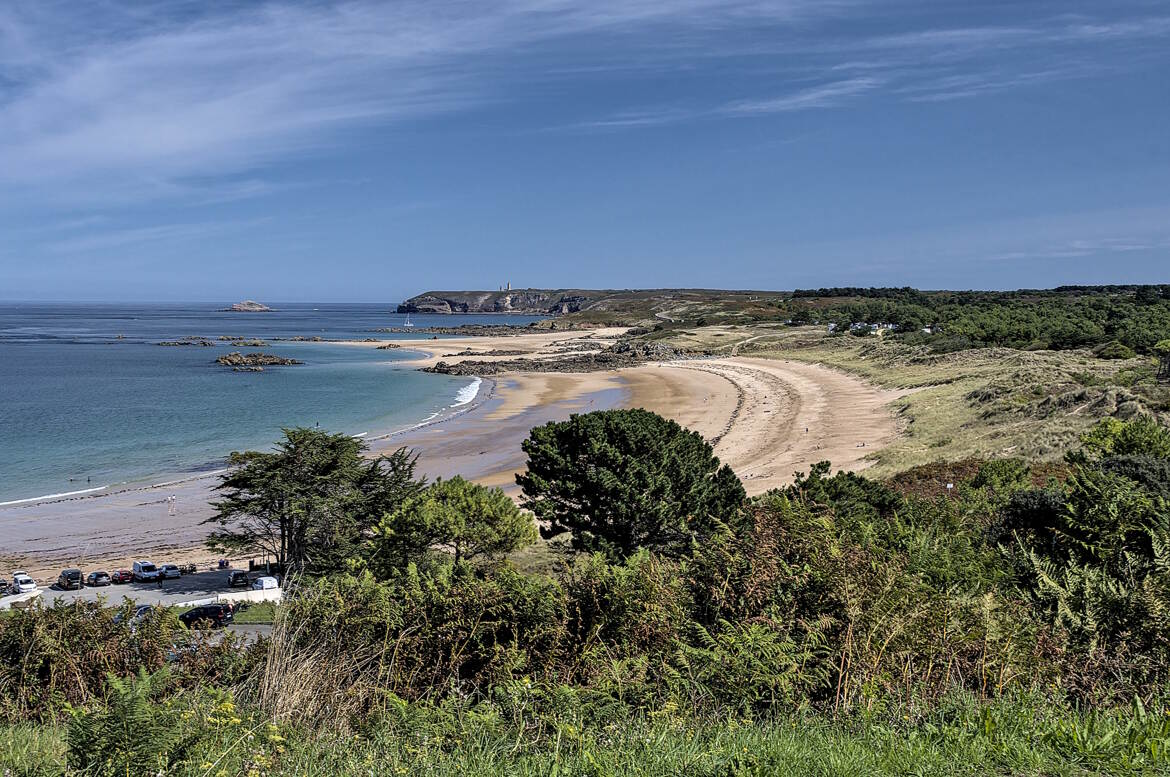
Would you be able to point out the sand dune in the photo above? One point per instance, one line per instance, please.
(756, 413)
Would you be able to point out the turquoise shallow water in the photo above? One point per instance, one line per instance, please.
(89, 399)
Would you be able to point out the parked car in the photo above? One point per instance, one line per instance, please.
(169, 571)
(70, 579)
(22, 583)
(141, 612)
(216, 615)
(97, 579)
(145, 572)
(265, 583)
(238, 578)
(120, 576)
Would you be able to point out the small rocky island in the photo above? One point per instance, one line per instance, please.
(247, 306)
(254, 362)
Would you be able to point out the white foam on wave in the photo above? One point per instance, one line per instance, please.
(47, 497)
(468, 393)
(180, 481)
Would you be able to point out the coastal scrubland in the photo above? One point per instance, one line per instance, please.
(1015, 624)
(1116, 321)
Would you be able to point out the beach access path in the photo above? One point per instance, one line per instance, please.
(754, 411)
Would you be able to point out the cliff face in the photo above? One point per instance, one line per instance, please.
(526, 301)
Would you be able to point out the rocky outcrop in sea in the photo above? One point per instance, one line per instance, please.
(254, 362)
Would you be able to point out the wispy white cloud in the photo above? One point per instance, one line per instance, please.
(927, 65)
(1122, 237)
(821, 96)
(1075, 248)
(158, 233)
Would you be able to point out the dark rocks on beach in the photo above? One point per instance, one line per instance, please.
(254, 362)
(388, 346)
(200, 341)
(493, 352)
(247, 306)
(469, 330)
(244, 342)
(625, 353)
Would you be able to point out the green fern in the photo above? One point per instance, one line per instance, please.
(130, 735)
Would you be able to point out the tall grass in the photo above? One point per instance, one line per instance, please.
(1010, 737)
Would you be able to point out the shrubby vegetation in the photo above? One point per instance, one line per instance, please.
(1119, 320)
(1014, 624)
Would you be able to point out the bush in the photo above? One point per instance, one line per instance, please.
(1114, 350)
(455, 515)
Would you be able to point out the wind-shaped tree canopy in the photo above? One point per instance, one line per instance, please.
(310, 503)
(620, 480)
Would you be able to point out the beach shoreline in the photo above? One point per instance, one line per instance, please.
(754, 411)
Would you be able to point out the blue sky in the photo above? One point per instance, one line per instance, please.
(365, 151)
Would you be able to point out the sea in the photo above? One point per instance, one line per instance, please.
(89, 400)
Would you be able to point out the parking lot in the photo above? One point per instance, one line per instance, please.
(188, 588)
(200, 585)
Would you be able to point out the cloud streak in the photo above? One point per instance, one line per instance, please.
(822, 96)
(155, 234)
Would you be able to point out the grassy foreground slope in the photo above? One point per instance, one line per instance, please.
(1019, 738)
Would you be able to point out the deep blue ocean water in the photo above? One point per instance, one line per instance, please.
(88, 398)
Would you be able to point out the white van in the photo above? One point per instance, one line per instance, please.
(22, 583)
(265, 584)
(145, 572)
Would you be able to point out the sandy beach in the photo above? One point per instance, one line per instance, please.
(766, 418)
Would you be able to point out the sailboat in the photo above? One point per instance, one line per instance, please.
(408, 321)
